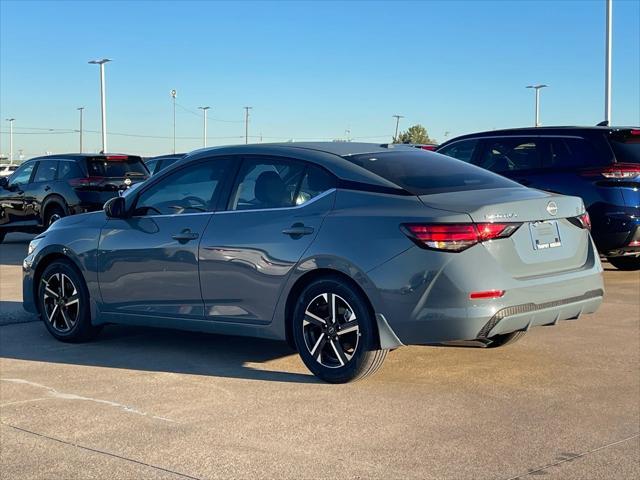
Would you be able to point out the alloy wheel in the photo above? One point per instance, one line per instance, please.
(61, 302)
(331, 331)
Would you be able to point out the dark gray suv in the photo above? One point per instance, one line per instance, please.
(344, 250)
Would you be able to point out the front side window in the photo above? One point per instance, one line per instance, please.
(267, 184)
(462, 150)
(46, 171)
(191, 189)
(503, 155)
(22, 175)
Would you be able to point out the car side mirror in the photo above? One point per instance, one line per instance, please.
(115, 208)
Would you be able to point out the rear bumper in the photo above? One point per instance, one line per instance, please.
(433, 306)
(613, 231)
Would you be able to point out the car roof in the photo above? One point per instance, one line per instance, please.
(331, 155)
(165, 156)
(78, 156)
(561, 129)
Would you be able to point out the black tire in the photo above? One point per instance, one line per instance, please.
(53, 213)
(506, 339)
(63, 302)
(360, 355)
(627, 263)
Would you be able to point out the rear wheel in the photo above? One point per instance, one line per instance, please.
(53, 214)
(64, 303)
(335, 332)
(625, 263)
(506, 339)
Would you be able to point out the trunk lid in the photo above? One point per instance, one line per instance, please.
(546, 241)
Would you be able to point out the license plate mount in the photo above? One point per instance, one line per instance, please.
(545, 234)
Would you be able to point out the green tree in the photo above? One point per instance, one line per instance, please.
(414, 134)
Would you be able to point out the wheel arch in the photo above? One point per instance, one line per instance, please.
(307, 278)
(43, 263)
(54, 200)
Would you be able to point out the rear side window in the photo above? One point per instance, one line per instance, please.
(115, 167)
(502, 155)
(423, 173)
(46, 171)
(573, 153)
(68, 170)
(626, 146)
(268, 183)
(315, 182)
(462, 150)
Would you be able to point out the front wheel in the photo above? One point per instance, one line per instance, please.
(625, 263)
(335, 332)
(64, 303)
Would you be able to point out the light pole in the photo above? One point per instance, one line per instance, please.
(246, 124)
(173, 94)
(103, 101)
(607, 63)
(11, 120)
(80, 109)
(537, 89)
(397, 117)
(204, 118)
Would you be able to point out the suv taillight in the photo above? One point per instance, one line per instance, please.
(84, 182)
(456, 237)
(619, 171)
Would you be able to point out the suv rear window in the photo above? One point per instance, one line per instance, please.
(116, 167)
(423, 173)
(626, 146)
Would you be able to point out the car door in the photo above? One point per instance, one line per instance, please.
(41, 186)
(12, 200)
(148, 263)
(275, 210)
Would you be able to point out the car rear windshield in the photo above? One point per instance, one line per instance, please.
(116, 166)
(423, 173)
(626, 146)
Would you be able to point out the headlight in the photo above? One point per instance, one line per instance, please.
(33, 244)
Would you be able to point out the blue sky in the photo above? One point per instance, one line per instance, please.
(310, 70)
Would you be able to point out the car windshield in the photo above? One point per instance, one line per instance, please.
(626, 148)
(423, 173)
(116, 167)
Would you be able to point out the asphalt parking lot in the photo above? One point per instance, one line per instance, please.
(562, 403)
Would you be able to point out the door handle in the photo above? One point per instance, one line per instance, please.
(47, 188)
(298, 230)
(185, 236)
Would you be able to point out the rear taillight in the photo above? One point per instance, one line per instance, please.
(431, 148)
(84, 182)
(456, 237)
(585, 220)
(619, 171)
(487, 294)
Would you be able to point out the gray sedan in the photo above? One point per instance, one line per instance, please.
(344, 250)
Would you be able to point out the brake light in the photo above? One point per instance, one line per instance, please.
(619, 171)
(431, 148)
(585, 220)
(635, 132)
(487, 294)
(116, 157)
(85, 182)
(456, 237)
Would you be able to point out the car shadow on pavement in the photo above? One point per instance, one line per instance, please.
(156, 350)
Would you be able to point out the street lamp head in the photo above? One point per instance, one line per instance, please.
(99, 62)
(173, 94)
(537, 86)
(204, 108)
(10, 119)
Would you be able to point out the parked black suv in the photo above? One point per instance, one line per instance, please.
(599, 164)
(45, 189)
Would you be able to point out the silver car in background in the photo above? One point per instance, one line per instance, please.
(344, 250)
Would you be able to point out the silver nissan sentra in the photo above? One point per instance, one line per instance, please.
(344, 250)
